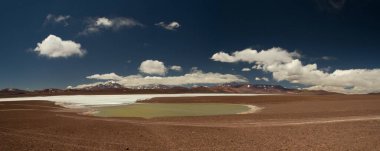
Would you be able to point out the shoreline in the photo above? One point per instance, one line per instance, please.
(79, 101)
(252, 109)
(92, 111)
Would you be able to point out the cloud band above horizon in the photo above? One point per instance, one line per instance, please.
(286, 66)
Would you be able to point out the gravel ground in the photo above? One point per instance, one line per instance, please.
(326, 122)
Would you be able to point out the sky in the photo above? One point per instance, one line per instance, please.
(314, 44)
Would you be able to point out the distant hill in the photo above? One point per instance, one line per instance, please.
(114, 88)
(5, 92)
(374, 93)
(250, 88)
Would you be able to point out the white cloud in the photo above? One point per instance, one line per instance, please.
(257, 67)
(55, 47)
(195, 77)
(51, 18)
(285, 66)
(85, 85)
(153, 67)
(170, 26)
(270, 56)
(223, 57)
(109, 76)
(176, 68)
(103, 22)
(96, 25)
(262, 79)
(198, 77)
(246, 69)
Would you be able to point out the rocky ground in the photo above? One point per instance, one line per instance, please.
(286, 122)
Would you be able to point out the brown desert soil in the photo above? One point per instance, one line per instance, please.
(286, 122)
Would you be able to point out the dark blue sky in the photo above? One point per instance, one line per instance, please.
(347, 30)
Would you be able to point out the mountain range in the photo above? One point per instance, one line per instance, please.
(115, 88)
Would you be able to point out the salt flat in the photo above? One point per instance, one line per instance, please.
(79, 101)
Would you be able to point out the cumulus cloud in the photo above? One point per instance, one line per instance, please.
(55, 47)
(108, 76)
(176, 68)
(223, 57)
(103, 23)
(195, 77)
(246, 69)
(270, 56)
(51, 18)
(286, 66)
(170, 26)
(261, 79)
(153, 67)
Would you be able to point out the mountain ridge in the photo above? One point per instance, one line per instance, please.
(114, 88)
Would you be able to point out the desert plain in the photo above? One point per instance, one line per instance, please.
(284, 122)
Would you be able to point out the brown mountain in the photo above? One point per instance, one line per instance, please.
(114, 88)
(250, 88)
(12, 91)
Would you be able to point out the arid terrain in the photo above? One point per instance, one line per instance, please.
(286, 122)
